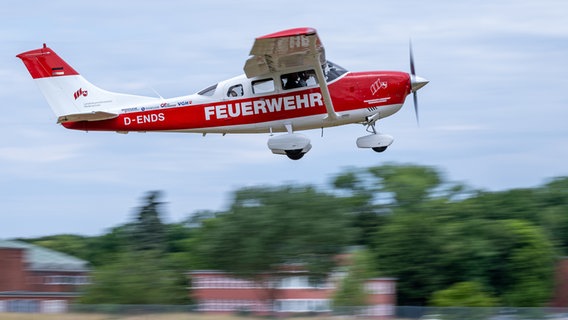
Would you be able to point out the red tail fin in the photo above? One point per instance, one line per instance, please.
(44, 62)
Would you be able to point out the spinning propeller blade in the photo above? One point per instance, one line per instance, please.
(415, 81)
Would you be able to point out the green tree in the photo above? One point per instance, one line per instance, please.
(145, 261)
(148, 232)
(429, 253)
(359, 200)
(552, 199)
(351, 291)
(410, 185)
(409, 248)
(136, 277)
(463, 294)
(266, 228)
(530, 265)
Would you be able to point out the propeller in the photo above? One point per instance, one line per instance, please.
(416, 82)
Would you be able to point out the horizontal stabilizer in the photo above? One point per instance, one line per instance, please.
(91, 116)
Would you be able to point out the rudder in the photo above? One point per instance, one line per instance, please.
(70, 95)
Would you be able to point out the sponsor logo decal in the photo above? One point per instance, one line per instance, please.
(80, 93)
(378, 85)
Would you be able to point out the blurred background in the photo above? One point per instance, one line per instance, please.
(469, 209)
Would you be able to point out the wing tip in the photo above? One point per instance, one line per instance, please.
(290, 32)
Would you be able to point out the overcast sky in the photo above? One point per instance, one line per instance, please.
(494, 116)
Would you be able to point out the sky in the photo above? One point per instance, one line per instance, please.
(494, 115)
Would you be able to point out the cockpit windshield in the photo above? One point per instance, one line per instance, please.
(332, 71)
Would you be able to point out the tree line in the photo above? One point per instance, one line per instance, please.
(446, 243)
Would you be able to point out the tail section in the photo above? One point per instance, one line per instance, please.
(70, 96)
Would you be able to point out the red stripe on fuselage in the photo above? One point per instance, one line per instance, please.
(348, 93)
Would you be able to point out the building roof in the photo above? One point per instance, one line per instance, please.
(43, 259)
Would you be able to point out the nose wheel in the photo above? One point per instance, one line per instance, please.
(378, 142)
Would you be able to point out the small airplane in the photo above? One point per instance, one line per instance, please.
(288, 86)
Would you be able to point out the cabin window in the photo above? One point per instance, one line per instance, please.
(209, 91)
(235, 91)
(263, 86)
(300, 79)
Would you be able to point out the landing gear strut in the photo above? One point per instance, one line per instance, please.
(377, 141)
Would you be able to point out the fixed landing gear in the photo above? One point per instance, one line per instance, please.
(377, 141)
(293, 145)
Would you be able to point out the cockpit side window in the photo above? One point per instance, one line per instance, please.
(235, 91)
(263, 86)
(306, 78)
(209, 91)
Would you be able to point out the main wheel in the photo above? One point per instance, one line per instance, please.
(295, 154)
(379, 149)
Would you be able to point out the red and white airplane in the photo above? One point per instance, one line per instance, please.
(288, 86)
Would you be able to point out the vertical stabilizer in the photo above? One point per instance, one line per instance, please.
(70, 96)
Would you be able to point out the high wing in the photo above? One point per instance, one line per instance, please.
(287, 50)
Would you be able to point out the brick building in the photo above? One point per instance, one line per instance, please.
(36, 279)
(560, 291)
(288, 292)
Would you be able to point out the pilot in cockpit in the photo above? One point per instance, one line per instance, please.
(290, 81)
(303, 79)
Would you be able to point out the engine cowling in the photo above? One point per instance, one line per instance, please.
(293, 145)
(377, 141)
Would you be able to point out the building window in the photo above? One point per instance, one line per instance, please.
(303, 305)
(203, 282)
(27, 306)
(295, 282)
(379, 310)
(301, 282)
(232, 305)
(54, 306)
(380, 288)
(67, 280)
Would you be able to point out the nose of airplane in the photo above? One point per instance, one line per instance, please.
(417, 82)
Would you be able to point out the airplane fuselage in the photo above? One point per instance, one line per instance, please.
(288, 86)
(355, 96)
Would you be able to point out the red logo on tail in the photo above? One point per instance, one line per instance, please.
(80, 93)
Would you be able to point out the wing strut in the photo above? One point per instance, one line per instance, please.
(331, 115)
(291, 49)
